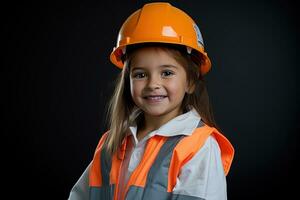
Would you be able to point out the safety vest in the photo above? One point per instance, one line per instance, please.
(155, 176)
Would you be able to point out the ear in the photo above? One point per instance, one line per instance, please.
(190, 88)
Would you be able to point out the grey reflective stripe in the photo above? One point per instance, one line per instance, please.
(103, 192)
(137, 193)
(106, 191)
(158, 174)
(105, 167)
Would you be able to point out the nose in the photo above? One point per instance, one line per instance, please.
(154, 82)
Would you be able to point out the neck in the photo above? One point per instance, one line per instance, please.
(155, 122)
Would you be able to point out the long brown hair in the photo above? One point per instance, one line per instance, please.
(122, 111)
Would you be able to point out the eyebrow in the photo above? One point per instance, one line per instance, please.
(161, 66)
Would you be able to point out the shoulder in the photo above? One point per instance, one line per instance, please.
(205, 154)
(102, 140)
(100, 144)
(191, 144)
(205, 158)
(210, 144)
(208, 156)
(203, 175)
(204, 139)
(193, 154)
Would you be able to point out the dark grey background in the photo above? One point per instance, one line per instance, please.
(57, 78)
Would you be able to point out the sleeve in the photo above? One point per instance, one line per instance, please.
(203, 176)
(80, 190)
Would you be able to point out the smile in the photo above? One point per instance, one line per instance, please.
(154, 99)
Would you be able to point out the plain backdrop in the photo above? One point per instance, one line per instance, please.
(57, 79)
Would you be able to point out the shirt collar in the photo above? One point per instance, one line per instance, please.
(183, 124)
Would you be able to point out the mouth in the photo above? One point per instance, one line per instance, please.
(155, 97)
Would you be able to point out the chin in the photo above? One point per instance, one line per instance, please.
(154, 111)
(157, 112)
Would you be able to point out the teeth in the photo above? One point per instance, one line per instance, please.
(155, 97)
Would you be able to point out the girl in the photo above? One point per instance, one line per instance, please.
(163, 142)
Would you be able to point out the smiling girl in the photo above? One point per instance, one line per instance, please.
(163, 142)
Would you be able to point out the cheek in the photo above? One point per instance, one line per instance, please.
(135, 89)
(175, 89)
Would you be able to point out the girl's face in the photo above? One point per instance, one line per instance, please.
(157, 82)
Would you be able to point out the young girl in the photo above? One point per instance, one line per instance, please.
(163, 142)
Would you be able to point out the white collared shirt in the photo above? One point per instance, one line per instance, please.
(203, 176)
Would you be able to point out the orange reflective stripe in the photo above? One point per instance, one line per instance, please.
(139, 175)
(95, 176)
(117, 160)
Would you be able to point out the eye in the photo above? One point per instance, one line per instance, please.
(167, 73)
(139, 75)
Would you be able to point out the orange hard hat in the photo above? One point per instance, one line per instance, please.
(160, 23)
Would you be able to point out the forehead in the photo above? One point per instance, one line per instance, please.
(149, 57)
